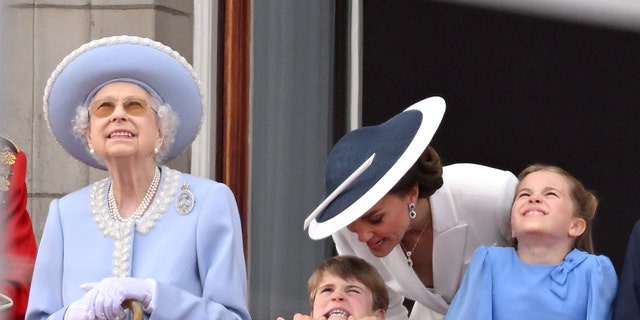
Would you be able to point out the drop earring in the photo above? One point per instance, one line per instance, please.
(412, 210)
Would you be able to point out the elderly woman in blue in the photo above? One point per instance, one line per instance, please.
(149, 233)
(551, 272)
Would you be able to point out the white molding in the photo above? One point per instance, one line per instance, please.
(204, 63)
(354, 87)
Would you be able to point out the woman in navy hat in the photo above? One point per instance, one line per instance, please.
(149, 233)
(390, 201)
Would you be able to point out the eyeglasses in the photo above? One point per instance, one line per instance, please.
(106, 107)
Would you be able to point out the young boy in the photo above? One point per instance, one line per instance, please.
(346, 287)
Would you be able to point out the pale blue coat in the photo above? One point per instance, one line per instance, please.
(196, 258)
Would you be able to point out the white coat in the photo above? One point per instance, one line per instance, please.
(472, 208)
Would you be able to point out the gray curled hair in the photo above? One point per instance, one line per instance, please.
(168, 121)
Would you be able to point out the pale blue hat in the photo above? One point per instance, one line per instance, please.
(154, 66)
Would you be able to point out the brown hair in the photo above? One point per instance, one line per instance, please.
(351, 267)
(426, 172)
(586, 202)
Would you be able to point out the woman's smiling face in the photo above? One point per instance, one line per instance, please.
(125, 132)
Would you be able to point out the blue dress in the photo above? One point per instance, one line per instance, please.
(498, 285)
(193, 252)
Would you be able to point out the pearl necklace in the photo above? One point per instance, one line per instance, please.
(113, 207)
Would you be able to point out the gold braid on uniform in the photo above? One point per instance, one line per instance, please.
(7, 159)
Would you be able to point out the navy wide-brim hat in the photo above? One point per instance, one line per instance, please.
(152, 65)
(368, 162)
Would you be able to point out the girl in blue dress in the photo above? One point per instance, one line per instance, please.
(551, 271)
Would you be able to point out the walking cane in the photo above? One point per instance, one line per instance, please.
(134, 307)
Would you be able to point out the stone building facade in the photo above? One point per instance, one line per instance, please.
(36, 35)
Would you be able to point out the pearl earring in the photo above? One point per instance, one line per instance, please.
(412, 210)
(155, 150)
(92, 151)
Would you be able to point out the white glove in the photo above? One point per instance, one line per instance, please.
(77, 310)
(111, 292)
(81, 309)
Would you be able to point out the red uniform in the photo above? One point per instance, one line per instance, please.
(19, 254)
